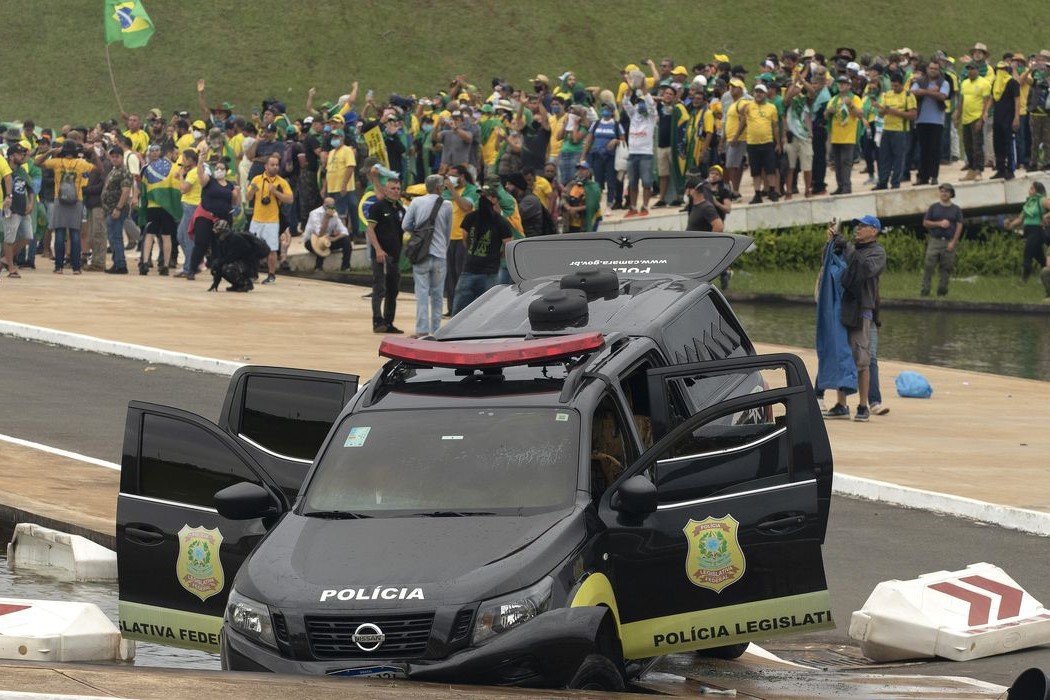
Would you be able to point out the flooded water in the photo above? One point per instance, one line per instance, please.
(17, 584)
(999, 343)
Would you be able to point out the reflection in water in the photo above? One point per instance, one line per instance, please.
(1000, 343)
(104, 595)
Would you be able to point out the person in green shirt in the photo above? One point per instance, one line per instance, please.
(582, 207)
(1035, 213)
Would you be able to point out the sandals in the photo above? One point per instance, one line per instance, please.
(13, 274)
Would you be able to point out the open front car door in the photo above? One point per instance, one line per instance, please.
(195, 497)
(714, 533)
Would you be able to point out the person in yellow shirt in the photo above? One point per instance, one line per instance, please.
(541, 187)
(190, 187)
(735, 147)
(339, 181)
(976, 95)
(557, 120)
(843, 113)
(461, 191)
(760, 126)
(898, 108)
(268, 192)
(67, 211)
(139, 138)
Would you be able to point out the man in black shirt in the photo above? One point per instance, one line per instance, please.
(1006, 118)
(487, 231)
(384, 236)
(944, 225)
(260, 151)
(703, 216)
(309, 157)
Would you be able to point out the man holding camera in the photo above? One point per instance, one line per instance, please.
(267, 192)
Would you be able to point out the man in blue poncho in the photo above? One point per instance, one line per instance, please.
(856, 267)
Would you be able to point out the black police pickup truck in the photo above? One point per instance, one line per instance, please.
(584, 470)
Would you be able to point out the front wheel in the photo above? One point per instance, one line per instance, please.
(597, 672)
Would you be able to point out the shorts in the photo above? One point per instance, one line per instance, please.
(763, 159)
(735, 154)
(160, 223)
(663, 161)
(18, 226)
(640, 166)
(860, 344)
(269, 232)
(799, 153)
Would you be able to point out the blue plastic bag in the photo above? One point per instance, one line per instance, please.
(912, 385)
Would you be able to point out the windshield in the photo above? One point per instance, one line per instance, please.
(448, 462)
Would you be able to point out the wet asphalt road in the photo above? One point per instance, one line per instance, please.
(77, 401)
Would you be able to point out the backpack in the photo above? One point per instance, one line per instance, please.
(418, 247)
(67, 187)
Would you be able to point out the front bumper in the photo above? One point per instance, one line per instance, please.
(543, 652)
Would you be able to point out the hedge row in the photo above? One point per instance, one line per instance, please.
(987, 251)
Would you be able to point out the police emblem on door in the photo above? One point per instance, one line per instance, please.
(199, 568)
(713, 557)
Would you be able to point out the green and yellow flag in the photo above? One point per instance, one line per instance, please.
(127, 21)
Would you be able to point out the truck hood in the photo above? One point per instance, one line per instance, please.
(313, 563)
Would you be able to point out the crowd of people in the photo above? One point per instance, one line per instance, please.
(503, 162)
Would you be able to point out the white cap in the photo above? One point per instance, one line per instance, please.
(700, 81)
(761, 87)
(853, 66)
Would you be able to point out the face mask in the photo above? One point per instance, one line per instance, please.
(643, 109)
(336, 143)
(327, 128)
(197, 134)
(454, 180)
(606, 114)
(555, 109)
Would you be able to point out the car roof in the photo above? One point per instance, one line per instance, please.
(641, 308)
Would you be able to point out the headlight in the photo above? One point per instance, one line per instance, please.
(501, 614)
(251, 618)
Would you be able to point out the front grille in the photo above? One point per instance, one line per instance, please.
(406, 636)
(461, 626)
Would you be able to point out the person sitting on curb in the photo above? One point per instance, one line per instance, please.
(865, 262)
(325, 232)
(944, 225)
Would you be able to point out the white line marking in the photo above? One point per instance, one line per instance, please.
(59, 452)
(113, 347)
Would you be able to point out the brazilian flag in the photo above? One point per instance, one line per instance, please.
(127, 21)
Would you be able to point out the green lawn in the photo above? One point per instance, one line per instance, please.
(898, 285)
(56, 72)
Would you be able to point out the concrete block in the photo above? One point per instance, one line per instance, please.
(975, 195)
(1016, 190)
(47, 630)
(906, 201)
(797, 212)
(670, 222)
(961, 615)
(55, 553)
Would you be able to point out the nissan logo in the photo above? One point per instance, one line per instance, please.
(368, 637)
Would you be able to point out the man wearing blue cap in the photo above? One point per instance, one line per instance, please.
(865, 261)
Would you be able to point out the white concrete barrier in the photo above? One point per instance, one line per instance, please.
(46, 630)
(959, 615)
(55, 553)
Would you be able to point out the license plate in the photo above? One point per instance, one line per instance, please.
(389, 672)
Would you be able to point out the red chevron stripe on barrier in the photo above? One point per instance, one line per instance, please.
(6, 608)
(980, 605)
(1010, 605)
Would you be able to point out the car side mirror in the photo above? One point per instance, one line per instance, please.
(245, 501)
(636, 496)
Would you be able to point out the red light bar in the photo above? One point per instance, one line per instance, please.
(504, 353)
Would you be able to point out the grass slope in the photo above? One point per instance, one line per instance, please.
(54, 66)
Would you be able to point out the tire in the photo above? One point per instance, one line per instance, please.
(728, 653)
(597, 672)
